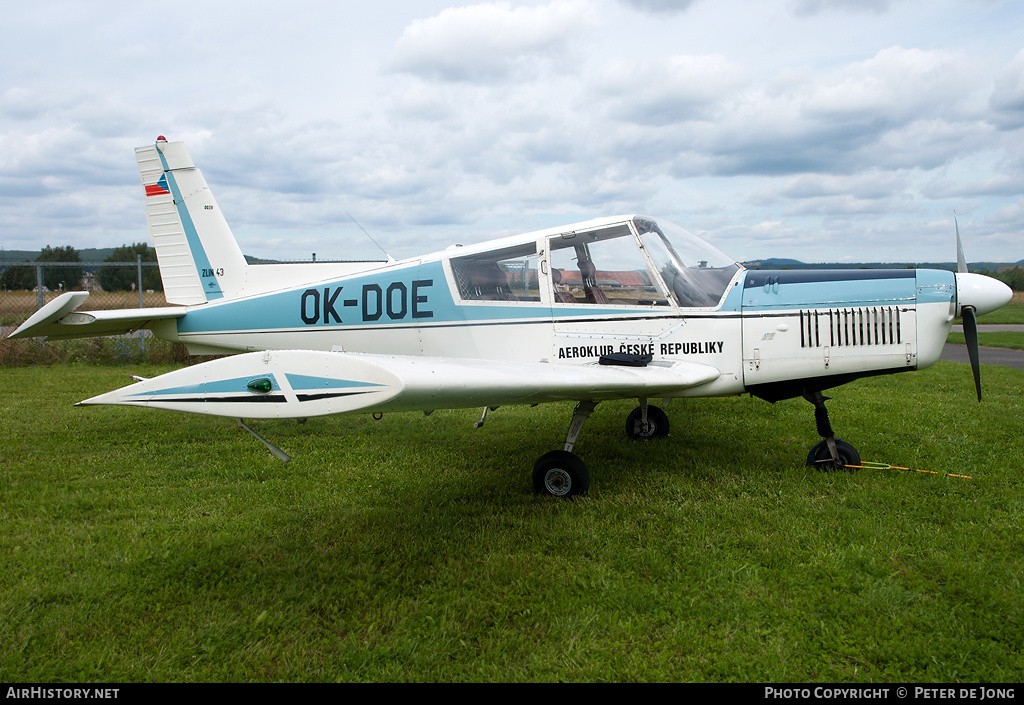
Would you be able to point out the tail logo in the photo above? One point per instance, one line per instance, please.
(159, 188)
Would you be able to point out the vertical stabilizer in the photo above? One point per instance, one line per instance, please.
(199, 258)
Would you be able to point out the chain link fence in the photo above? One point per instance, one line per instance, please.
(25, 287)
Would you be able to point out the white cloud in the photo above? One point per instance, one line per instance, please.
(490, 41)
(666, 7)
(816, 7)
(666, 90)
(899, 109)
(897, 85)
(1008, 95)
(872, 185)
(958, 189)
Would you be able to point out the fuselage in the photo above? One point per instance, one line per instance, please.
(615, 285)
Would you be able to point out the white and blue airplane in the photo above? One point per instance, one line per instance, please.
(620, 307)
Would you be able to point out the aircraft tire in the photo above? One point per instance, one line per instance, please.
(560, 474)
(848, 455)
(657, 424)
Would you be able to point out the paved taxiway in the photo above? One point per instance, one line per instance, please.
(989, 356)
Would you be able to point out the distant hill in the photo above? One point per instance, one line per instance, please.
(92, 254)
(776, 263)
(98, 254)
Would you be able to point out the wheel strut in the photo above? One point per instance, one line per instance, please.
(561, 473)
(579, 417)
(822, 423)
(839, 453)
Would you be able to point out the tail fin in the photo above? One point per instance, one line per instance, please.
(199, 258)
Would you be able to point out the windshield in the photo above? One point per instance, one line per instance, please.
(696, 273)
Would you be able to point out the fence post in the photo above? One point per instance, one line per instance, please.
(39, 283)
(138, 266)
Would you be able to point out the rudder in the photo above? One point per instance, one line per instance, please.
(199, 258)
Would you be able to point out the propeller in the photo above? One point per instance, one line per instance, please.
(971, 337)
(970, 319)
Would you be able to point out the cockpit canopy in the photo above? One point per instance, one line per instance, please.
(638, 261)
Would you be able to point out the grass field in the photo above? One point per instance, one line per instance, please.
(996, 339)
(148, 546)
(1012, 312)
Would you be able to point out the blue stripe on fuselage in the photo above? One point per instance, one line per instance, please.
(935, 286)
(413, 295)
(416, 295)
(794, 289)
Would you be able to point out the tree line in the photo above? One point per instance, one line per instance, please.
(122, 278)
(1013, 278)
(19, 277)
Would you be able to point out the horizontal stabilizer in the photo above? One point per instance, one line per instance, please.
(305, 383)
(60, 319)
(51, 312)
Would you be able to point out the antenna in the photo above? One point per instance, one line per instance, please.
(390, 258)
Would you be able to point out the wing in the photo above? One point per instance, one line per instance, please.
(305, 383)
(60, 319)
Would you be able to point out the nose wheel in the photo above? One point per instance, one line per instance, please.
(830, 453)
(821, 456)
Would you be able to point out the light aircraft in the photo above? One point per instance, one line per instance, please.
(620, 307)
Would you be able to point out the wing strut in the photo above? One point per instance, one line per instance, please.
(278, 453)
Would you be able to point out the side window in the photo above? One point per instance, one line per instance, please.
(503, 275)
(602, 267)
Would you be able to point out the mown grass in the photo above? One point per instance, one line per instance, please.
(995, 339)
(1012, 312)
(148, 546)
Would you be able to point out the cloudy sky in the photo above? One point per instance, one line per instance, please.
(822, 130)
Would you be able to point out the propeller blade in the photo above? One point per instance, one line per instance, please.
(961, 262)
(971, 336)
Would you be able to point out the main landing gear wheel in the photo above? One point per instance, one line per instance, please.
(821, 457)
(560, 474)
(656, 426)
